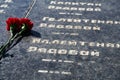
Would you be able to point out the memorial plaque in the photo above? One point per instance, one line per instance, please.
(71, 40)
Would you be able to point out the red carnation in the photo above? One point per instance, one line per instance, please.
(18, 27)
(27, 22)
(14, 23)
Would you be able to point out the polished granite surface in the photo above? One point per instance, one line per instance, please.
(71, 40)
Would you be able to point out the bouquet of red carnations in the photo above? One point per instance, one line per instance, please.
(17, 27)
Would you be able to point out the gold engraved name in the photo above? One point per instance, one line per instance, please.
(62, 51)
(97, 9)
(77, 20)
(77, 27)
(75, 3)
(76, 43)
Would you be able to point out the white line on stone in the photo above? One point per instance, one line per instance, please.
(47, 60)
(74, 34)
(43, 71)
(54, 72)
(79, 64)
(59, 60)
(62, 13)
(2, 11)
(54, 60)
(77, 14)
(4, 6)
(66, 73)
(56, 33)
(66, 61)
(8, 1)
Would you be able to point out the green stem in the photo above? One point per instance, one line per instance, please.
(7, 44)
(5, 48)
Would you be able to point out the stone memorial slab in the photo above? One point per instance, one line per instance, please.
(71, 40)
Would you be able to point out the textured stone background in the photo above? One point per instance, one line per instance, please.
(25, 65)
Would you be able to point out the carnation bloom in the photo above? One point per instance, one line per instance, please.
(18, 27)
(13, 23)
(27, 22)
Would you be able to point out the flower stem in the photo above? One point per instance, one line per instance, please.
(4, 47)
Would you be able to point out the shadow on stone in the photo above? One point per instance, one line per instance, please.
(35, 34)
(32, 33)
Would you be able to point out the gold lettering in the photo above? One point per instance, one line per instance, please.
(100, 44)
(99, 21)
(92, 44)
(52, 51)
(96, 28)
(84, 53)
(72, 43)
(31, 49)
(90, 4)
(117, 45)
(51, 7)
(97, 9)
(109, 22)
(51, 25)
(66, 8)
(82, 3)
(94, 53)
(98, 4)
(60, 3)
(77, 27)
(117, 22)
(89, 9)
(45, 18)
(51, 19)
(73, 8)
(93, 21)
(58, 7)
(69, 26)
(75, 3)
(55, 42)
(69, 20)
(45, 41)
(43, 25)
(67, 3)
(73, 52)
(36, 40)
(42, 50)
(60, 26)
(76, 20)
(81, 9)
(109, 45)
(62, 51)
(82, 43)
(87, 28)
(61, 19)
(86, 20)
(53, 2)
(63, 42)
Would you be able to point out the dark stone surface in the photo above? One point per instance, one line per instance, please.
(25, 65)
